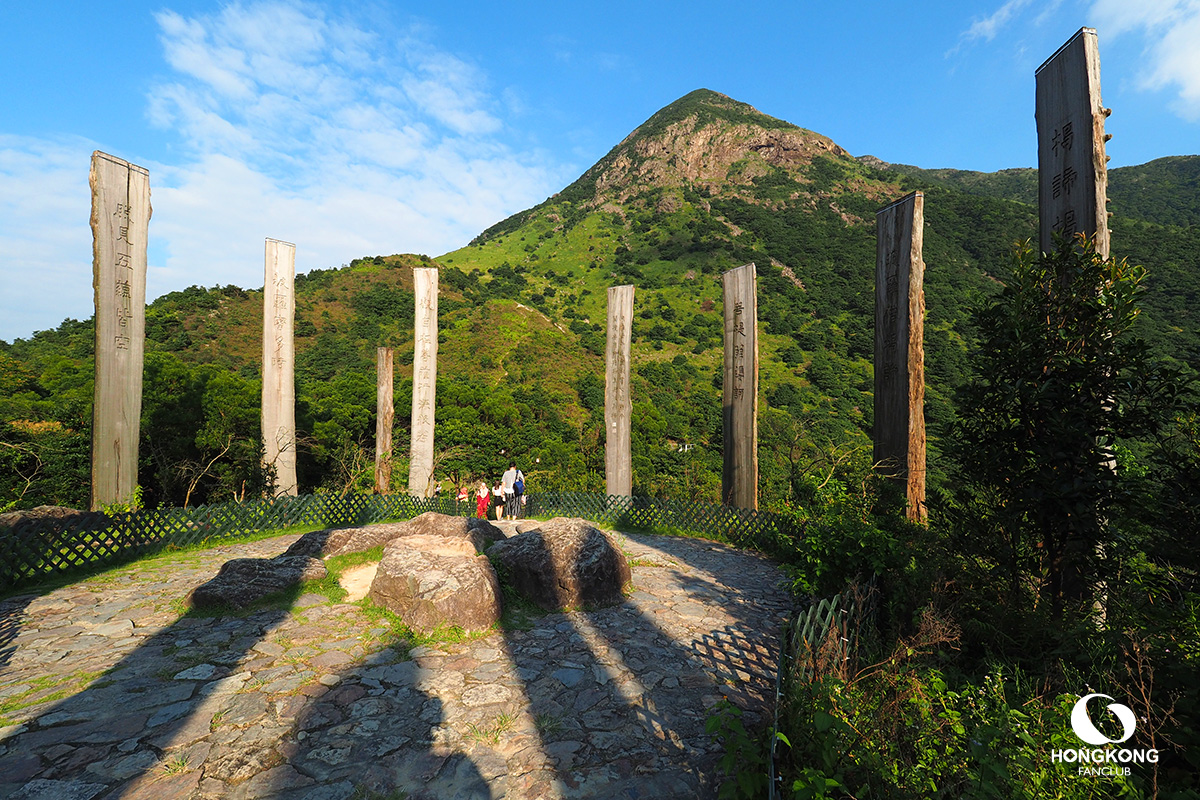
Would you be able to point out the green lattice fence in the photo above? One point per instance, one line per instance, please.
(821, 640)
(38, 549)
(761, 530)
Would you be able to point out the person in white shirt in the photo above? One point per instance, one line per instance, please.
(512, 497)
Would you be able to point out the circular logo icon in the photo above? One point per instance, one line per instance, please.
(1081, 723)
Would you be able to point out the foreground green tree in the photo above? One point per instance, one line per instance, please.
(1061, 381)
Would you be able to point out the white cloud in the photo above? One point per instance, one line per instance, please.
(291, 124)
(45, 236)
(989, 26)
(1170, 31)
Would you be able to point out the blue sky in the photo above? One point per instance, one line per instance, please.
(356, 129)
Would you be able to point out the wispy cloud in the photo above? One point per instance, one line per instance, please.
(45, 236)
(1170, 30)
(295, 124)
(989, 26)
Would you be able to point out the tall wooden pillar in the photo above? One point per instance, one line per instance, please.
(618, 408)
(1072, 165)
(900, 348)
(279, 359)
(739, 479)
(420, 470)
(120, 226)
(385, 413)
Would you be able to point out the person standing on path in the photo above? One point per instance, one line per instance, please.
(511, 480)
(498, 499)
(482, 496)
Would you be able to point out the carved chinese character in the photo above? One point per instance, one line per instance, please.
(1063, 138)
(889, 373)
(738, 308)
(122, 260)
(1069, 176)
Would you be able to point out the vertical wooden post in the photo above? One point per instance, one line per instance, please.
(618, 408)
(1073, 198)
(279, 358)
(120, 226)
(420, 469)
(1072, 166)
(900, 348)
(739, 480)
(385, 413)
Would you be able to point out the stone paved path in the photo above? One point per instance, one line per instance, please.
(107, 691)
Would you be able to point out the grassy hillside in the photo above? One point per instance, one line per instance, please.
(704, 185)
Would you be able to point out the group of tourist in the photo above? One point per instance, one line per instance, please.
(507, 497)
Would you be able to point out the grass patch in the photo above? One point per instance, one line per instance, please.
(330, 586)
(70, 685)
(519, 613)
(548, 724)
(174, 766)
(362, 792)
(490, 735)
(103, 574)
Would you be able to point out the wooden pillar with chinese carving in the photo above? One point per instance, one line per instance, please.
(618, 407)
(385, 413)
(279, 359)
(120, 225)
(739, 479)
(900, 348)
(1072, 165)
(420, 468)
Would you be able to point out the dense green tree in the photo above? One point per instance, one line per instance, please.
(1060, 381)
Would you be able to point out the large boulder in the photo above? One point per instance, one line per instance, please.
(244, 581)
(431, 580)
(57, 516)
(337, 541)
(564, 564)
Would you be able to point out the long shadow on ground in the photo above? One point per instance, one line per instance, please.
(621, 694)
(309, 700)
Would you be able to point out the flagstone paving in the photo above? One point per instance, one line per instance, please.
(108, 691)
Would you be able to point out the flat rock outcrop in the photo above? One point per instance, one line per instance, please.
(564, 564)
(432, 580)
(337, 541)
(244, 581)
(47, 514)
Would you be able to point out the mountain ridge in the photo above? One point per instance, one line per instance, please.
(705, 184)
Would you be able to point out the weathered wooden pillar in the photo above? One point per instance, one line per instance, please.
(1072, 166)
(618, 408)
(900, 348)
(279, 359)
(385, 412)
(1073, 198)
(739, 480)
(120, 225)
(420, 469)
